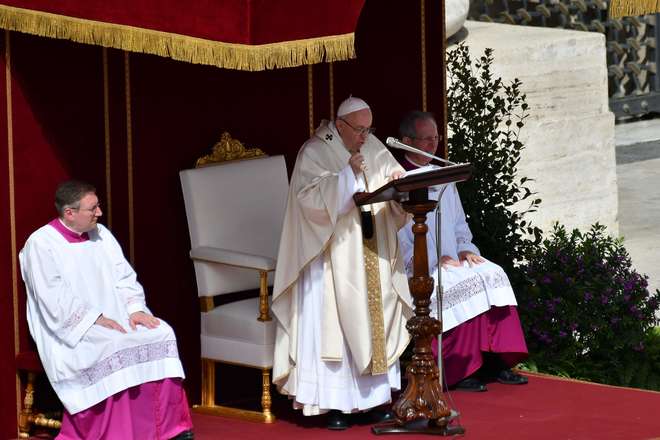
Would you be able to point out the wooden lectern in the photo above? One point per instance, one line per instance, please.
(421, 408)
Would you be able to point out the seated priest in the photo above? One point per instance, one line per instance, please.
(482, 337)
(340, 296)
(114, 366)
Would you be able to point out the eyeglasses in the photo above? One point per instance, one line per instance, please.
(360, 130)
(92, 209)
(428, 138)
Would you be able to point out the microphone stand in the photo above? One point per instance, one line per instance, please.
(440, 291)
(438, 288)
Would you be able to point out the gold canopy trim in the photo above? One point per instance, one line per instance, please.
(627, 8)
(179, 47)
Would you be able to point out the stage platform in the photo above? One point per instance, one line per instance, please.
(547, 408)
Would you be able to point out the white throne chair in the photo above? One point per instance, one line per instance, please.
(235, 201)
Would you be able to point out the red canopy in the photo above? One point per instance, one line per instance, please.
(234, 34)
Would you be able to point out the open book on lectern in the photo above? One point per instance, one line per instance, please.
(418, 179)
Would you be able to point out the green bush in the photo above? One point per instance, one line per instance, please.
(484, 117)
(587, 313)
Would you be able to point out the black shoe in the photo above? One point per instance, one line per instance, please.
(185, 435)
(508, 377)
(471, 384)
(379, 415)
(337, 420)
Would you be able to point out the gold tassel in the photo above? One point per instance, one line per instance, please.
(179, 47)
(627, 8)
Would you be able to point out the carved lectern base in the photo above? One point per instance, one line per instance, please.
(422, 426)
(421, 408)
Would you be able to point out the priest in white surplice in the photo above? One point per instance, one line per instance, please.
(482, 336)
(340, 298)
(114, 366)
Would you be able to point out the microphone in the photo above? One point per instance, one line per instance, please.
(395, 143)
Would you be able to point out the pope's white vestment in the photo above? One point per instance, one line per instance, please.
(335, 347)
(68, 286)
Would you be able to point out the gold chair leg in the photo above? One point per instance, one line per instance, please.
(25, 417)
(208, 405)
(265, 396)
(208, 382)
(264, 313)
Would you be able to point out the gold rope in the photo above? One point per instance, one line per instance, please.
(625, 8)
(177, 46)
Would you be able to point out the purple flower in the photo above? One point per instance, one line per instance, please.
(546, 280)
(573, 326)
(587, 296)
(562, 334)
(545, 338)
(604, 300)
(615, 319)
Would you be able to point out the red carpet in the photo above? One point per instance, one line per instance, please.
(546, 408)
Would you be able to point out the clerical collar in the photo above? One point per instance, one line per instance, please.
(413, 162)
(69, 234)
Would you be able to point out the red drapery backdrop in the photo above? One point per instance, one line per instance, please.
(235, 34)
(229, 21)
(161, 115)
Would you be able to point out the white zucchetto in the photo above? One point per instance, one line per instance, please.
(350, 105)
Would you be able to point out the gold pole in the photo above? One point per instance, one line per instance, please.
(129, 152)
(310, 98)
(12, 214)
(331, 81)
(423, 50)
(106, 128)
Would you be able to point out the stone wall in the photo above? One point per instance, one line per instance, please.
(569, 136)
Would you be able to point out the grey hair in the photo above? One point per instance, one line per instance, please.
(69, 193)
(407, 127)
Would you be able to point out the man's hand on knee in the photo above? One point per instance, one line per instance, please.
(144, 319)
(447, 261)
(470, 257)
(109, 323)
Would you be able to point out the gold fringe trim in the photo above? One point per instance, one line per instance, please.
(628, 8)
(179, 47)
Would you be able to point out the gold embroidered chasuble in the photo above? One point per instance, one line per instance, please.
(371, 325)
